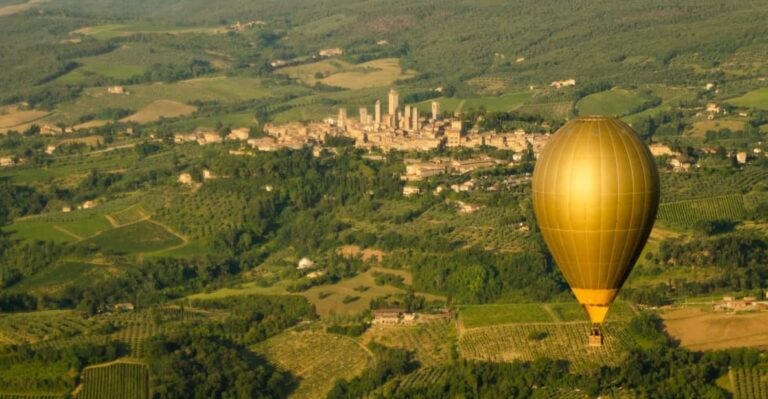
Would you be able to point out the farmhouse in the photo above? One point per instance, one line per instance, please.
(741, 157)
(123, 307)
(468, 208)
(387, 316)
(185, 178)
(241, 134)
(50, 130)
(330, 52)
(89, 204)
(658, 149)
(316, 274)
(409, 191)
(6, 161)
(557, 84)
(730, 303)
(305, 263)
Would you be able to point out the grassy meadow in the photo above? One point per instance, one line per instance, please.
(615, 102)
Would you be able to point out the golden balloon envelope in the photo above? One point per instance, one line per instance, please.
(595, 195)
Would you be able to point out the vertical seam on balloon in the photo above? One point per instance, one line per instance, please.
(622, 254)
(639, 244)
(633, 250)
(564, 269)
(612, 260)
(549, 181)
(570, 209)
(600, 212)
(601, 207)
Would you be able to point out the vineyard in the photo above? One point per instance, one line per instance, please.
(686, 186)
(429, 341)
(558, 340)
(422, 378)
(26, 328)
(749, 383)
(318, 359)
(686, 213)
(123, 379)
(128, 215)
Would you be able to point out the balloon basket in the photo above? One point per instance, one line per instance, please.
(595, 338)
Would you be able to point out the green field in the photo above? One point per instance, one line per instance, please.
(116, 380)
(332, 301)
(487, 315)
(17, 377)
(751, 383)
(67, 274)
(318, 359)
(70, 170)
(560, 341)
(473, 316)
(335, 72)
(69, 227)
(32, 327)
(506, 102)
(686, 213)
(615, 102)
(557, 110)
(138, 237)
(221, 88)
(754, 99)
(109, 31)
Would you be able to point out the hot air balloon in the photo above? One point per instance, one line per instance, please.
(595, 196)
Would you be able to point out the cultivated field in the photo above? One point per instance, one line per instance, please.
(68, 274)
(160, 109)
(700, 128)
(686, 213)
(557, 110)
(473, 316)
(317, 358)
(109, 31)
(335, 72)
(17, 8)
(328, 298)
(223, 89)
(749, 383)
(430, 342)
(554, 340)
(506, 102)
(29, 328)
(122, 379)
(701, 330)
(11, 118)
(144, 236)
(616, 102)
(754, 99)
(374, 73)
